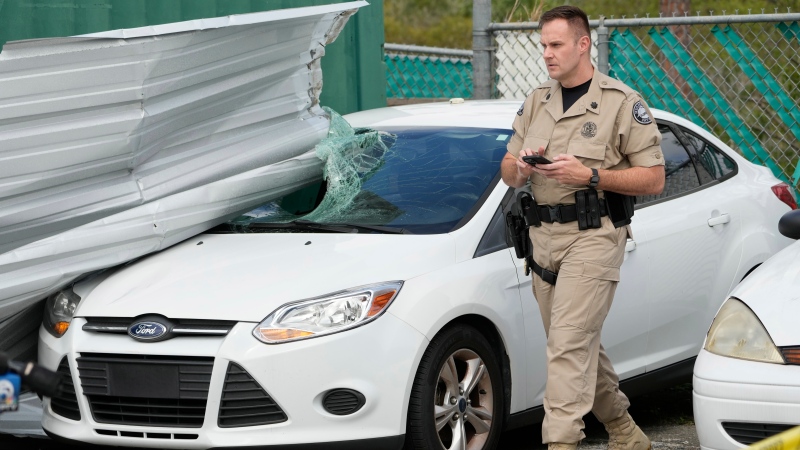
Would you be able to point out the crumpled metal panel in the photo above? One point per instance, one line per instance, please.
(35, 270)
(118, 144)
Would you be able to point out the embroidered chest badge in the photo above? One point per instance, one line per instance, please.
(640, 114)
(589, 130)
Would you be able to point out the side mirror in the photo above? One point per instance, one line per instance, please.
(789, 225)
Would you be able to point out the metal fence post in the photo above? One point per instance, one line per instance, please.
(602, 47)
(482, 49)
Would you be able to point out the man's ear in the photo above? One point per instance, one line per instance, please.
(584, 43)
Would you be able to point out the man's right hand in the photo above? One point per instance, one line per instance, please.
(515, 171)
(525, 169)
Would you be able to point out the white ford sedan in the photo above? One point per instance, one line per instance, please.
(395, 313)
(747, 377)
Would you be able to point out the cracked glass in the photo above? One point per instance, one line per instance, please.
(421, 180)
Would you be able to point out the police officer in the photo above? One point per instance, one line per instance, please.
(600, 136)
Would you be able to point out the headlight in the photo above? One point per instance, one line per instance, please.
(736, 332)
(58, 311)
(326, 315)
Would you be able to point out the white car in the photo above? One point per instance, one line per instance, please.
(747, 377)
(401, 314)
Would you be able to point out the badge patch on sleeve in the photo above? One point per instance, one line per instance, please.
(521, 109)
(640, 114)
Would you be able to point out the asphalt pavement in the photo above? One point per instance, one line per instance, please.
(665, 416)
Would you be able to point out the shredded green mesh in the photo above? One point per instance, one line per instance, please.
(351, 156)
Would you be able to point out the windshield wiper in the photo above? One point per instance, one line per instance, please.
(335, 227)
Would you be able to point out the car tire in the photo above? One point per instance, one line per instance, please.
(459, 374)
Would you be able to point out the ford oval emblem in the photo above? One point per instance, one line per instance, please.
(147, 331)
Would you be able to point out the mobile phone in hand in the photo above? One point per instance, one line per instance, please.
(536, 159)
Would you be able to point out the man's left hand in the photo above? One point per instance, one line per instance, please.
(566, 169)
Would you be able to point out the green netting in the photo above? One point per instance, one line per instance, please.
(351, 156)
(790, 31)
(427, 77)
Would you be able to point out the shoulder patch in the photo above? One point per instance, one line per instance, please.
(521, 109)
(640, 114)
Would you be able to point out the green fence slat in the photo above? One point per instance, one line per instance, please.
(427, 77)
(642, 84)
(796, 176)
(761, 78)
(657, 88)
(791, 31)
(630, 52)
(719, 107)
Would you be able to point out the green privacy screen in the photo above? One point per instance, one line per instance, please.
(353, 66)
(411, 76)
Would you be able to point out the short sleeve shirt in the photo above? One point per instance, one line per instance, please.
(610, 128)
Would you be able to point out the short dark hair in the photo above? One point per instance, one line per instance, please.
(575, 16)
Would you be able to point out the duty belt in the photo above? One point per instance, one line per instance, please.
(564, 213)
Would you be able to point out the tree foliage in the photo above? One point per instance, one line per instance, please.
(448, 23)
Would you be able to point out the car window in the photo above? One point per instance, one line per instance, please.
(680, 173)
(495, 238)
(427, 182)
(712, 162)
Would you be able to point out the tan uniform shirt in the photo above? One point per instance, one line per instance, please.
(610, 127)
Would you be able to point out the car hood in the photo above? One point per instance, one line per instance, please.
(244, 277)
(773, 292)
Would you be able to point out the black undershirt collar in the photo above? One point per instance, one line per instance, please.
(571, 95)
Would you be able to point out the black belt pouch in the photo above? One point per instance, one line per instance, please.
(620, 208)
(587, 207)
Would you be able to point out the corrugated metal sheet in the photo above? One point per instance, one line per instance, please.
(354, 69)
(137, 139)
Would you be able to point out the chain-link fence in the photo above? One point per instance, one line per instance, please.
(429, 73)
(738, 76)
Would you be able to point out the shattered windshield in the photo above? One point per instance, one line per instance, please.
(420, 180)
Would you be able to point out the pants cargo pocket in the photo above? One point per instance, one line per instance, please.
(585, 296)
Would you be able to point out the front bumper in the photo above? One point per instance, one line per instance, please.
(729, 390)
(378, 360)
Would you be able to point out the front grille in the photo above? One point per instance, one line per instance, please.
(147, 435)
(342, 402)
(180, 327)
(750, 433)
(66, 405)
(245, 403)
(146, 390)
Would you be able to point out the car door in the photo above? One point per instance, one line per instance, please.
(624, 333)
(692, 230)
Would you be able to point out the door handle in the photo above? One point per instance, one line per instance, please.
(630, 245)
(719, 220)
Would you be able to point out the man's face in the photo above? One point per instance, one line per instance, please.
(562, 50)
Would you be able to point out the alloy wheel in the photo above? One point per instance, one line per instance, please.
(463, 402)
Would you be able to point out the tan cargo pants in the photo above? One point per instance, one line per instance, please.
(580, 377)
